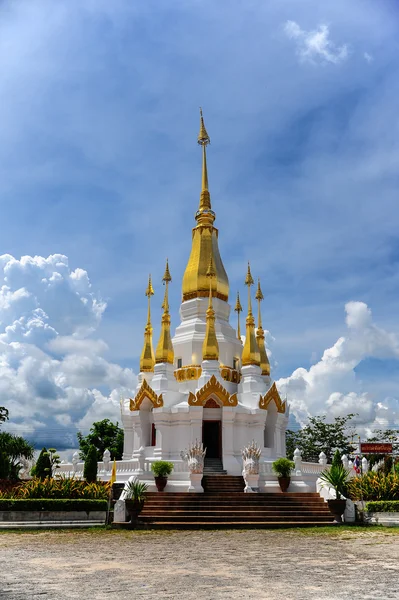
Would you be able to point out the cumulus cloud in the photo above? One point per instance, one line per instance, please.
(53, 377)
(316, 45)
(331, 386)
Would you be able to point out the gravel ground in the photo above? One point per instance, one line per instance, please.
(272, 565)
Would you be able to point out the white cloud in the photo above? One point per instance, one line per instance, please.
(331, 385)
(368, 57)
(313, 46)
(50, 382)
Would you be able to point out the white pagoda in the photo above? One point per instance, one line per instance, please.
(204, 384)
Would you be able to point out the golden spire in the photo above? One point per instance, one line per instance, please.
(260, 336)
(250, 353)
(204, 241)
(164, 352)
(238, 309)
(204, 213)
(147, 359)
(210, 348)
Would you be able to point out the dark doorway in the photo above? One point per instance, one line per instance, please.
(211, 438)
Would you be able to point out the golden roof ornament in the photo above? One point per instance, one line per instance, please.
(164, 352)
(210, 348)
(204, 241)
(147, 358)
(260, 335)
(238, 309)
(250, 353)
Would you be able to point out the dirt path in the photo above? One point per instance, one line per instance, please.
(269, 565)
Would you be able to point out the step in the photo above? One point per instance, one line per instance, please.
(240, 513)
(229, 525)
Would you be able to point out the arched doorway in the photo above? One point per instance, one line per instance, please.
(212, 429)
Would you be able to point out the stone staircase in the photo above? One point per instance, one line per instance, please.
(215, 483)
(213, 466)
(233, 509)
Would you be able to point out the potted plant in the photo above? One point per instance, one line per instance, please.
(337, 478)
(282, 467)
(134, 499)
(161, 470)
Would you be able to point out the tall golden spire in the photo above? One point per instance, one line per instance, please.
(260, 336)
(204, 241)
(203, 213)
(250, 353)
(164, 352)
(238, 309)
(210, 348)
(147, 359)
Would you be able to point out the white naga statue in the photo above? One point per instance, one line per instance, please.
(195, 457)
(250, 458)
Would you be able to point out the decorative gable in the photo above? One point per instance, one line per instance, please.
(212, 388)
(272, 394)
(146, 391)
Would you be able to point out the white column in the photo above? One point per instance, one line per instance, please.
(128, 441)
(230, 463)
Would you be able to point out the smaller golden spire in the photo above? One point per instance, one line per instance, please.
(238, 309)
(210, 348)
(147, 358)
(164, 352)
(260, 336)
(250, 353)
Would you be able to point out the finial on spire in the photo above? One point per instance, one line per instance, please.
(249, 279)
(250, 353)
(150, 290)
(238, 309)
(260, 336)
(166, 277)
(203, 137)
(164, 352)
(147, 358)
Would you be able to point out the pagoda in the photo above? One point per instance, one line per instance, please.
(205, 384)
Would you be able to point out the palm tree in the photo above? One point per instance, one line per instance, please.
(15, 447)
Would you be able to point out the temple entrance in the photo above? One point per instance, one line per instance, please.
(212, 438)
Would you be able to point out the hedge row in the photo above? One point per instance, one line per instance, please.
(52, 504)
(383, 506)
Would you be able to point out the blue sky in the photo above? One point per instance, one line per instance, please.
(99, 162)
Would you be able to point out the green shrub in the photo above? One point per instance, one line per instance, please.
(52, 504)
(337, 478)
(383, 506)
(374, 486)
(136, 490)
(282, 467)
(63, 487)
(90, 467)
(5, 466)
(162, 468)
(42, 468)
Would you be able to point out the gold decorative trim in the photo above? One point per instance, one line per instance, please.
(146, 391)
(213, 387)
(188, 373)
(230, 374)
(272, 394)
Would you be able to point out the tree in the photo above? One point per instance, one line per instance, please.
(4, 466)
(103, 435)
(90, 466)
(15, 447)
(42, 467)
(3, 414)
(318, 436)
(55, 461)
